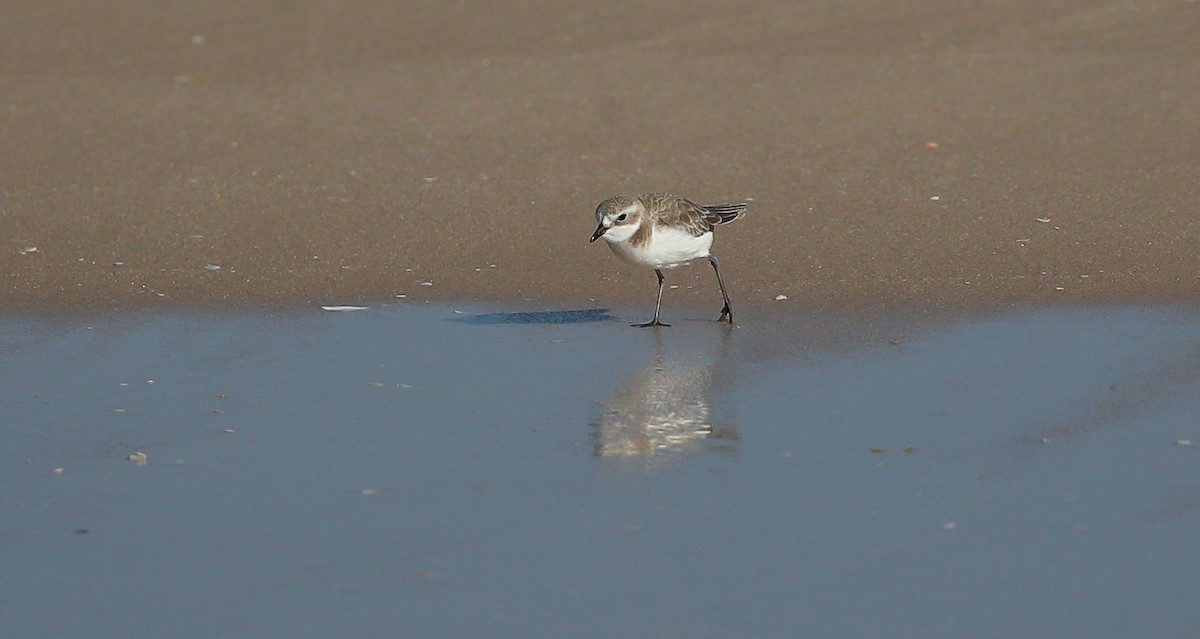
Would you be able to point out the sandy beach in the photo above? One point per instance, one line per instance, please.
(933, 154)
(302, 334)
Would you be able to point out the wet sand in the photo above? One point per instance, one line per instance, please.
(936, 154)
(321, 474)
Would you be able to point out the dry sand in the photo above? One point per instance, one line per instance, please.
(896, 154)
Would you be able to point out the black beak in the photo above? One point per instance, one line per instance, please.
(600, 230)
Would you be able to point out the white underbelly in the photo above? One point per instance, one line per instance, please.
(668, 248)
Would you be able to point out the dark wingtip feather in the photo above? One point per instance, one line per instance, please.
(726, 213)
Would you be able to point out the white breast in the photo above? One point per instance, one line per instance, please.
(669, 247)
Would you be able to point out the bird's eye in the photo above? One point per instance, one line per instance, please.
(621, 217)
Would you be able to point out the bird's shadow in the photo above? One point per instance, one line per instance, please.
(574, 316)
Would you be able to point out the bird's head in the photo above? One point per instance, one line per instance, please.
(618, 218)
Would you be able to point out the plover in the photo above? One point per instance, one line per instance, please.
(664, 231)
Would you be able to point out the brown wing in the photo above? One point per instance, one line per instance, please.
(672, 210)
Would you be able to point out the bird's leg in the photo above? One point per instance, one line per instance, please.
(726, 312)
(657, 305)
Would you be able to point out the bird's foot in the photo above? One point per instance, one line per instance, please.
(653, 322)
(726, 315)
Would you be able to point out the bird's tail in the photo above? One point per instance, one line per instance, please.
(725, 213)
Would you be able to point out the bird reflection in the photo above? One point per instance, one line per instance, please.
(662, 411)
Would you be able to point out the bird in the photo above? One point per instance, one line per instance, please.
(663, 231)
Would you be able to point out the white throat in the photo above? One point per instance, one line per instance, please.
(618, 234)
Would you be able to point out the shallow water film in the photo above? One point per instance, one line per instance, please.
(432, 471)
